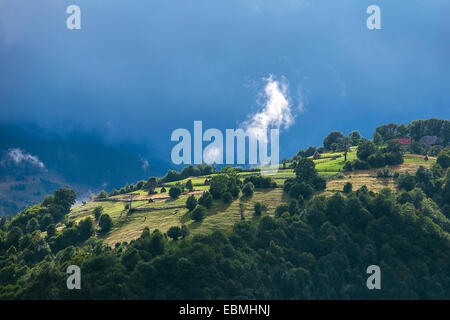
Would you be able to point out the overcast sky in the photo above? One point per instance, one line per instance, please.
(139, 69)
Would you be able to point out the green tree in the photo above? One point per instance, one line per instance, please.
(157, 244)
(259, 208)
(174, 192)
(218, 185)
(32, 225)
(344, 146)
(248, 189)
(206, 199)
(293, 207)
(51, 231)
(189, 185)
(65, 197)
(46, 221)
(333, 137)
(13, 237)
(191, 202)
(98, 212)
(102, 195)
(151, 185)
(365, 149)
(282, 208)
(377, 160)
(284, 161)
(406, 181)
(227, 197)
(301, 189)
(48, 200)
(184, 231)
(347, 187)
(105, 223)
(174, 232)
(443, 158)
(85, 228)
(198, 214)
(354, 136)
(305, 170)
(377, 139)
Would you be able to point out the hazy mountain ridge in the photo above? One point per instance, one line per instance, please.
(34, 163)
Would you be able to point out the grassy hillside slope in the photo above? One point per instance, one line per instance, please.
(164, 212)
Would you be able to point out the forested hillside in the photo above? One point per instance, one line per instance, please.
(308, 232)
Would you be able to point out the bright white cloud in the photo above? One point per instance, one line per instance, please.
(145, 164)
(276, 110)
(19, 157)
(212, 154)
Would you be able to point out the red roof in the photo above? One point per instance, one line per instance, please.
(404, 141)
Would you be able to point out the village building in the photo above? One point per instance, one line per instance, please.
(429, 140)
(404, 142)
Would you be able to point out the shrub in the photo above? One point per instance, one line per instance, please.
(302, 189)
(218, 185)
(282, 208)
(443, 158)
(300, 201)
(339, 175)
(365, 149)
(347, 187)
(293, 207)
(174, 233)
(105, 223)
(360, 165)
(184, 231)
(102, 195)
(384, 173)
(189, 185)
(393, 158)
(259, 208)
(191, 202)
(98, 212)
(174, 192)
(362, 190)
(198, 214)
(227, 197)
(261, 182)
(376, 160)
(233, 188)
(51, 231)
(248, 189)
(206, 199)
(348, 166)
(406, 181)
(319, 183)
(404, 197)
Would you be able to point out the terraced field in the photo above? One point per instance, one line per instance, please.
(162, 212)
(358, 178)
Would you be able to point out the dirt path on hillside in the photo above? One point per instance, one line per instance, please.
(144, 197)
(409, 167)
(411, 155)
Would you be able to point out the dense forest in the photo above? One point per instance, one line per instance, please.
(315, 247)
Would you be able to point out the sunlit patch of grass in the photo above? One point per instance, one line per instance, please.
(418, 159)
(223, 216)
